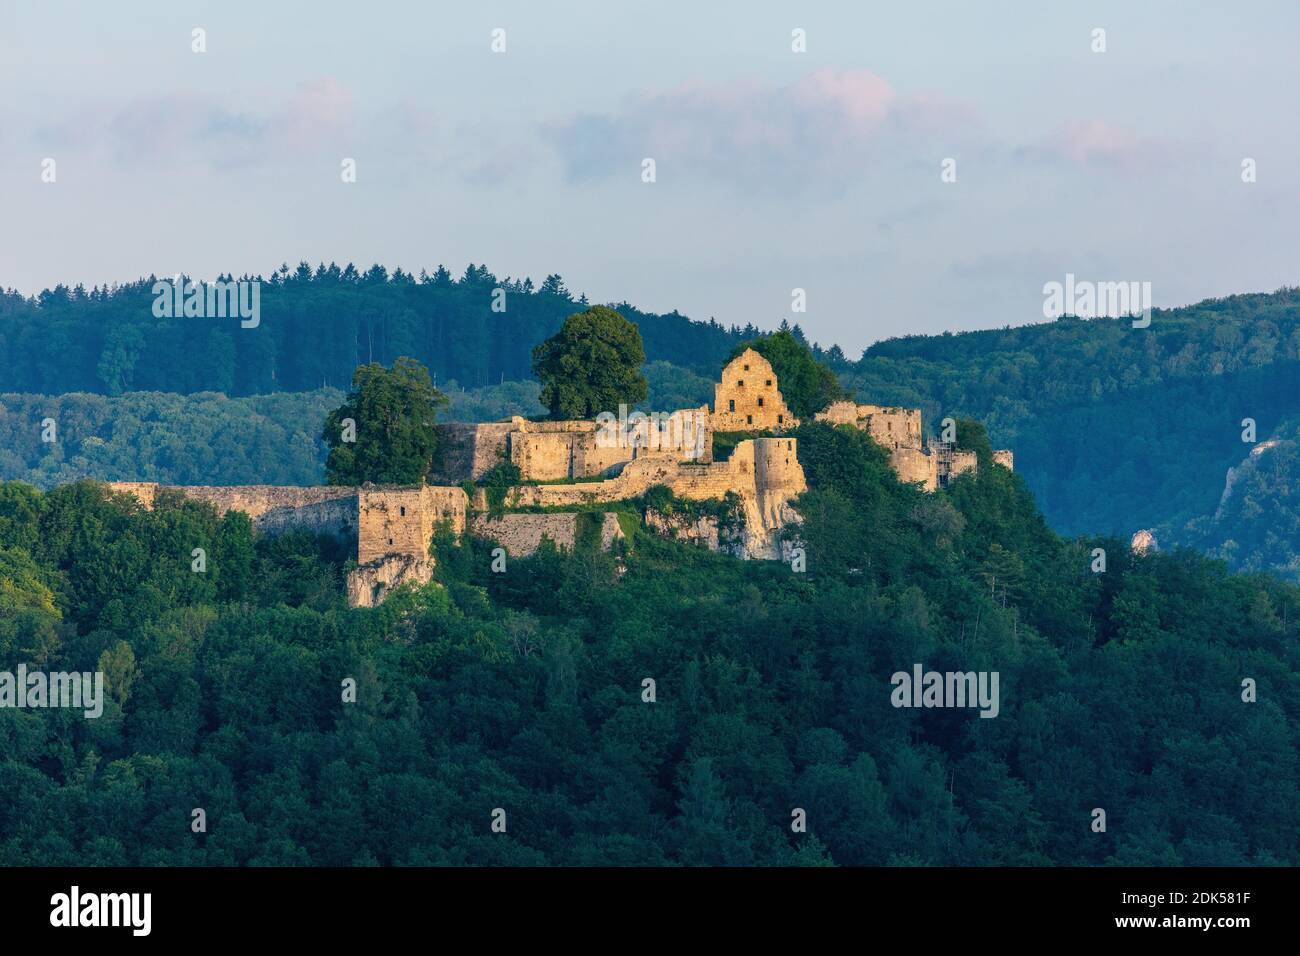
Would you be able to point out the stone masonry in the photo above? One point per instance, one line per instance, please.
(748, 397)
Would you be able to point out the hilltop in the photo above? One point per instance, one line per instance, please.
(653, 704)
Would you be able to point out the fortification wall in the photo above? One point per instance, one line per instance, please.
(401, 520)
(544, 456)
(915, 466)
(1005, 458)
(555, 451)
(522, 534)
(469, 451)
(336, 516)
(780, 473)
(551, 426)
(442, 503)
(322, 509)
(951, 462)
(764, 472)
(838, 413)
(890, 426)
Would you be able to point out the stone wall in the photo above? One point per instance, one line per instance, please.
(898, 431)
(951, 462)
(402, 520)
(547, 455)
(332, 516)
(521, 534)
(890, 426)
(915, 466)
(391, 527)
(764, 472)
(742, 473)
(748, 398)
(323, 509)
(469, 451)
(557, 451)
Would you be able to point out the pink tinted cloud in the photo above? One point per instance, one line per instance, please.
(819, 130)
(188, 127)
(1095, 142)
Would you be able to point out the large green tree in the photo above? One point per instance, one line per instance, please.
(384, 431)
(806, 384)
(591, 365)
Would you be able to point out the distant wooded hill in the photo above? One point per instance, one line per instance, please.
(315, 327)
(1117, 428)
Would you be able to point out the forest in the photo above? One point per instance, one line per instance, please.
(315, 327)
(524, 692)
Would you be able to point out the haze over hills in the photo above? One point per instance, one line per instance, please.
(1115, 428)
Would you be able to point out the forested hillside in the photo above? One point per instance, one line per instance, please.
(525, 691)
(1116, 428)
(315, 328)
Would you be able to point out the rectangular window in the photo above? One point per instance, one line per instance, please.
(769, 383)
(731, 405)
(760, 401)
(749, 419)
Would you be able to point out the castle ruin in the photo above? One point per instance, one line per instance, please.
(579, 464)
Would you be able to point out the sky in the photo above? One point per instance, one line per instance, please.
(774, 170)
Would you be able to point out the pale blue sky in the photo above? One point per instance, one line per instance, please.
(776, 170)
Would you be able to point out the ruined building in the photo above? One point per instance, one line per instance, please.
(554, 451)
(618, 457)
(748, 397)
(898, 431)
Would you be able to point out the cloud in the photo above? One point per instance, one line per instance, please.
(1099, 144)
(823, 130)
(184, 128)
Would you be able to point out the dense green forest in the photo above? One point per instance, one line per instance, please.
(315, 327)
(524, 691)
